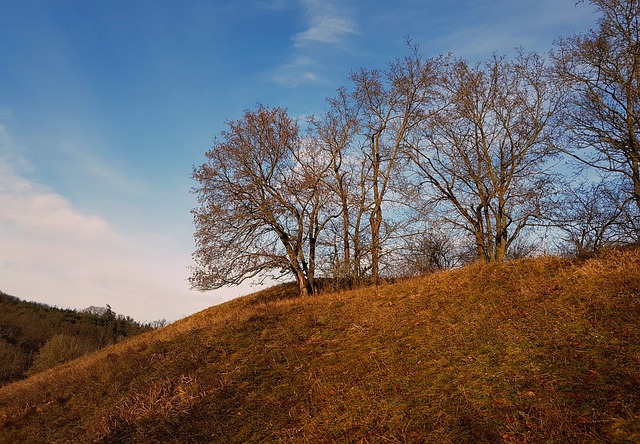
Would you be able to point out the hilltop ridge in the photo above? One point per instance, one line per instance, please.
(535, 350)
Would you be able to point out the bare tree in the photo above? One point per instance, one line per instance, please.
(261, 204)
(482, 152)
(335, 132)
(594, 216)
(602, 70)
(428, 251)
(391, 102)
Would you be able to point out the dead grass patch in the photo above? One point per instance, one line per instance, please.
(167, 400)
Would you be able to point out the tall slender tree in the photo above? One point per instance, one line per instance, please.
(335, 134)
(391, 103)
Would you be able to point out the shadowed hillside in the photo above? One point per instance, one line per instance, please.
(34, 336)
(543, 350)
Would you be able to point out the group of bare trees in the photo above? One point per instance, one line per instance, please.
(601, 73)
(430, 162)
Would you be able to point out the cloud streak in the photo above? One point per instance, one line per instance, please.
(37, 210)
(297, 72)
(56, 254)
(328, 27)
(328, 24)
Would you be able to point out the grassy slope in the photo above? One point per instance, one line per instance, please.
(543, 350)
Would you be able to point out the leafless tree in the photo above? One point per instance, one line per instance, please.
(429, 251)
(593, 216)
(261, 204)
(601, 68)
(335, 134)
(391, 103)
(482, 153)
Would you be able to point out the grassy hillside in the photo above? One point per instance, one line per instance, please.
(544, 350)
(36, 336)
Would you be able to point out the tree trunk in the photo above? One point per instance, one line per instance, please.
(302, 281)
(376, 223)
(311, 284)
(375, 219)
(634, 155)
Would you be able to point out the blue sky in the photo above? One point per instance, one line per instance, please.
(105, 105)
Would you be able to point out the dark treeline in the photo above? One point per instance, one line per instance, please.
(34, 336)
(430, 163)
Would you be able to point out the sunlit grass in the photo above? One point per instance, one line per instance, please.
(543, 350)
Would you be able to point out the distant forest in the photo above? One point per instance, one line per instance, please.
(35, 337)
(430, 163)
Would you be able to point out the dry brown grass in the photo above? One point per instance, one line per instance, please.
(544, 350)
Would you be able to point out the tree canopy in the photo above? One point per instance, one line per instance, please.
(430, 154)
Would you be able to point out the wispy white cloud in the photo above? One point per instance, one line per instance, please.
(52, 252)
(293, 79)
(329, 23)
(37, 210)
(9, 152)
(297, 72)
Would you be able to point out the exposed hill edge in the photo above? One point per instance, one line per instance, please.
(543, 350)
